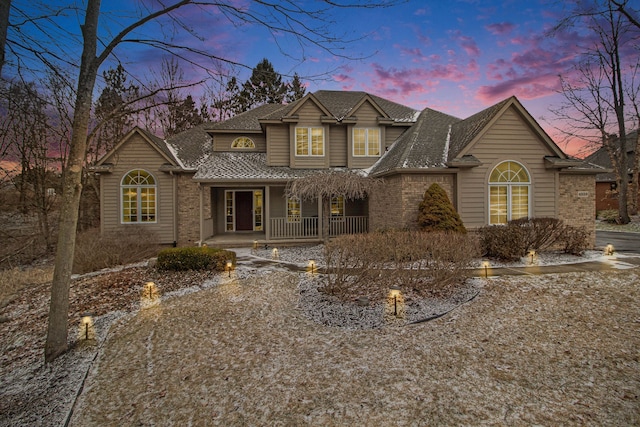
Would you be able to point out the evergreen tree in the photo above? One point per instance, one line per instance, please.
(183, 115)
(113, 112)
(265, 86)
(295, 89)
(436, 212)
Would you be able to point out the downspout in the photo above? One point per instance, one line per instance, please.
(201, 197)
(175, 208)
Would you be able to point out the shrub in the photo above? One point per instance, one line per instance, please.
(194, 258)
(436, 212)
(95, 251)
(514, 240)
(608, 215)
(369, 264)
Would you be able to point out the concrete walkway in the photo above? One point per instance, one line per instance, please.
(615, 262)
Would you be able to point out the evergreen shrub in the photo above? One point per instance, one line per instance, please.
(436, 212)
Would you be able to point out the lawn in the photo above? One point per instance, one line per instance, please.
(548, 350)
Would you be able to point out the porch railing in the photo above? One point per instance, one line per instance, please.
(307, 227)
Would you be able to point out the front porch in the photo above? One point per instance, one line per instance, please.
(240, 216)
(284, 232)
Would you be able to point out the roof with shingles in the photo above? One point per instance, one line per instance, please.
(341, 104)
(465, 131)
(247, 166)
(423, 145)
(249, 120)
(191, 146)
(601, 158)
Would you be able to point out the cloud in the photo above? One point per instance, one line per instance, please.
(467, 43)
(524, 87)
(500, 28)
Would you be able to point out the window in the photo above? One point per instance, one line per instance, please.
(366, 142)
(309, 141)
(337, 207)
(509, 188)
(243, 142)
(294, 212)
(138, 189)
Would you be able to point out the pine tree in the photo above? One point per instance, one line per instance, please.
(183, 115)
(436, 212)
(295, 89)
(265, 86)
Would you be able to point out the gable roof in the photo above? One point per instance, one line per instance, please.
(423, 145)
(438, 140)
(337, 105)
(601, 158)
(155, 142)
(249, 120)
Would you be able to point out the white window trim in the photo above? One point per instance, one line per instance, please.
(310, 141)
(291, 219)
(138, 199)
(344, 209)
(509, 186)
(366, 142)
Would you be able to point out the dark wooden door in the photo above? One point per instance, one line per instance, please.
(244, 210)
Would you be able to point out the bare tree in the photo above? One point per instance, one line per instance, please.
(5, 8)
(596, 96)
(287, 18)
(324, 186)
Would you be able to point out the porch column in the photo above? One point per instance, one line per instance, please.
(266, 215)
(320, 218)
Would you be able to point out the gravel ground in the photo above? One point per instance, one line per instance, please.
(544, 350)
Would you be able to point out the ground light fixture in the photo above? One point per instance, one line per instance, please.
(86, 331)
(608, 250)
(485, 264)
(274, 253)
(312, 266)
(229, 267)
(149, 290)
(395, 293)
(532, 254)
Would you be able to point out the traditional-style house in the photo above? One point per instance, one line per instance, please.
(607, 181)
(225, 182)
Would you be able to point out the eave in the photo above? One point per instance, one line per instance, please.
(554, 162)
(464, 162)
(103, 168)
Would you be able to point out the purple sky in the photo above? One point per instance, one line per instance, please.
(456, 56)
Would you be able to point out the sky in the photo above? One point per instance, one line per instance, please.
(455, 56)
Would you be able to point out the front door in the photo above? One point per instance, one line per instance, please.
(244, 210)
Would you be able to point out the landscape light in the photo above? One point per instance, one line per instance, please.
(229, 267)
(274, 253)
(395, 292)
(532, 254)
(312, 266)
(86, 327)
(485, 264)
(608, 250)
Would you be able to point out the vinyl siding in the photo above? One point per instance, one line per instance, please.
(278, 145)
(309, 116)
(509, 138)
(391, 134)
(138, 154)
(222, 142)
(338, 145)
(367, 118)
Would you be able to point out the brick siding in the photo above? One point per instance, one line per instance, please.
(577, 202)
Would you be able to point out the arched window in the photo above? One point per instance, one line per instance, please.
(138, 189)
(509, 192)
(243, 142)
